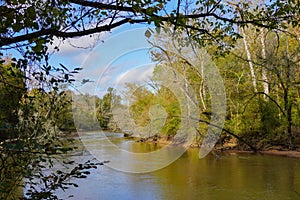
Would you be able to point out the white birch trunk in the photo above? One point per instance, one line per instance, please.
(264, 71)
(202, 84)
(253, 77)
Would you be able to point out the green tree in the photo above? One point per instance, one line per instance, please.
(12, 88)
(142, 103)
(266, 114)
(64, 114)
(263, 115)
(103, 109)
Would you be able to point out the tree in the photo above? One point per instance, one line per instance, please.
(103, 109)
(31, 144)
(263, 121)
(284, 66)
(146, 104)
(12, 88)
(40, 22)
(64, 116)
(263, 116)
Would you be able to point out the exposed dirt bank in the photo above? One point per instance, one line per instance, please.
(287, 153)
(232, 147)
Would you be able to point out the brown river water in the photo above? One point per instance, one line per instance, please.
(222, 176)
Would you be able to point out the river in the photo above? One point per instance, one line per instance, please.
(222, 176)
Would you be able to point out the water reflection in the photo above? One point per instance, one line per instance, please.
(225, 177)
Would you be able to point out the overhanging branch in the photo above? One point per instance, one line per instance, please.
(60, 34)
(135, 14)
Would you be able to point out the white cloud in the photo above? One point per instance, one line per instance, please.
(137, 75)
(122, 58)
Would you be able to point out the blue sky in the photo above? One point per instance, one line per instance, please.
(116, 58)
(134, 65)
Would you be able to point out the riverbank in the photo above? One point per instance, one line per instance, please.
(286, 153)
(231, 147)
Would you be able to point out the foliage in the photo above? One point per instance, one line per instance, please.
(30, 122)
(31, 139)
(104, 107)
(12, 88)
(271, 116)
(144, 98)
(264, 119)
(49, 183)
(204, 19)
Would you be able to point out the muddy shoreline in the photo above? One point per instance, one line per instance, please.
(286, 153)
(227, 148)
(230, 148)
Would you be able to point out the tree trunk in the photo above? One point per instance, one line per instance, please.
(264, 71)
(202, 91)
(249, 58)
(287, 101)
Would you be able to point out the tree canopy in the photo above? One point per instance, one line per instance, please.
(36, 22)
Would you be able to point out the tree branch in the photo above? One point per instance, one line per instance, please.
(141, 15)
(227, 131)
(103, 6)
(60, 34)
